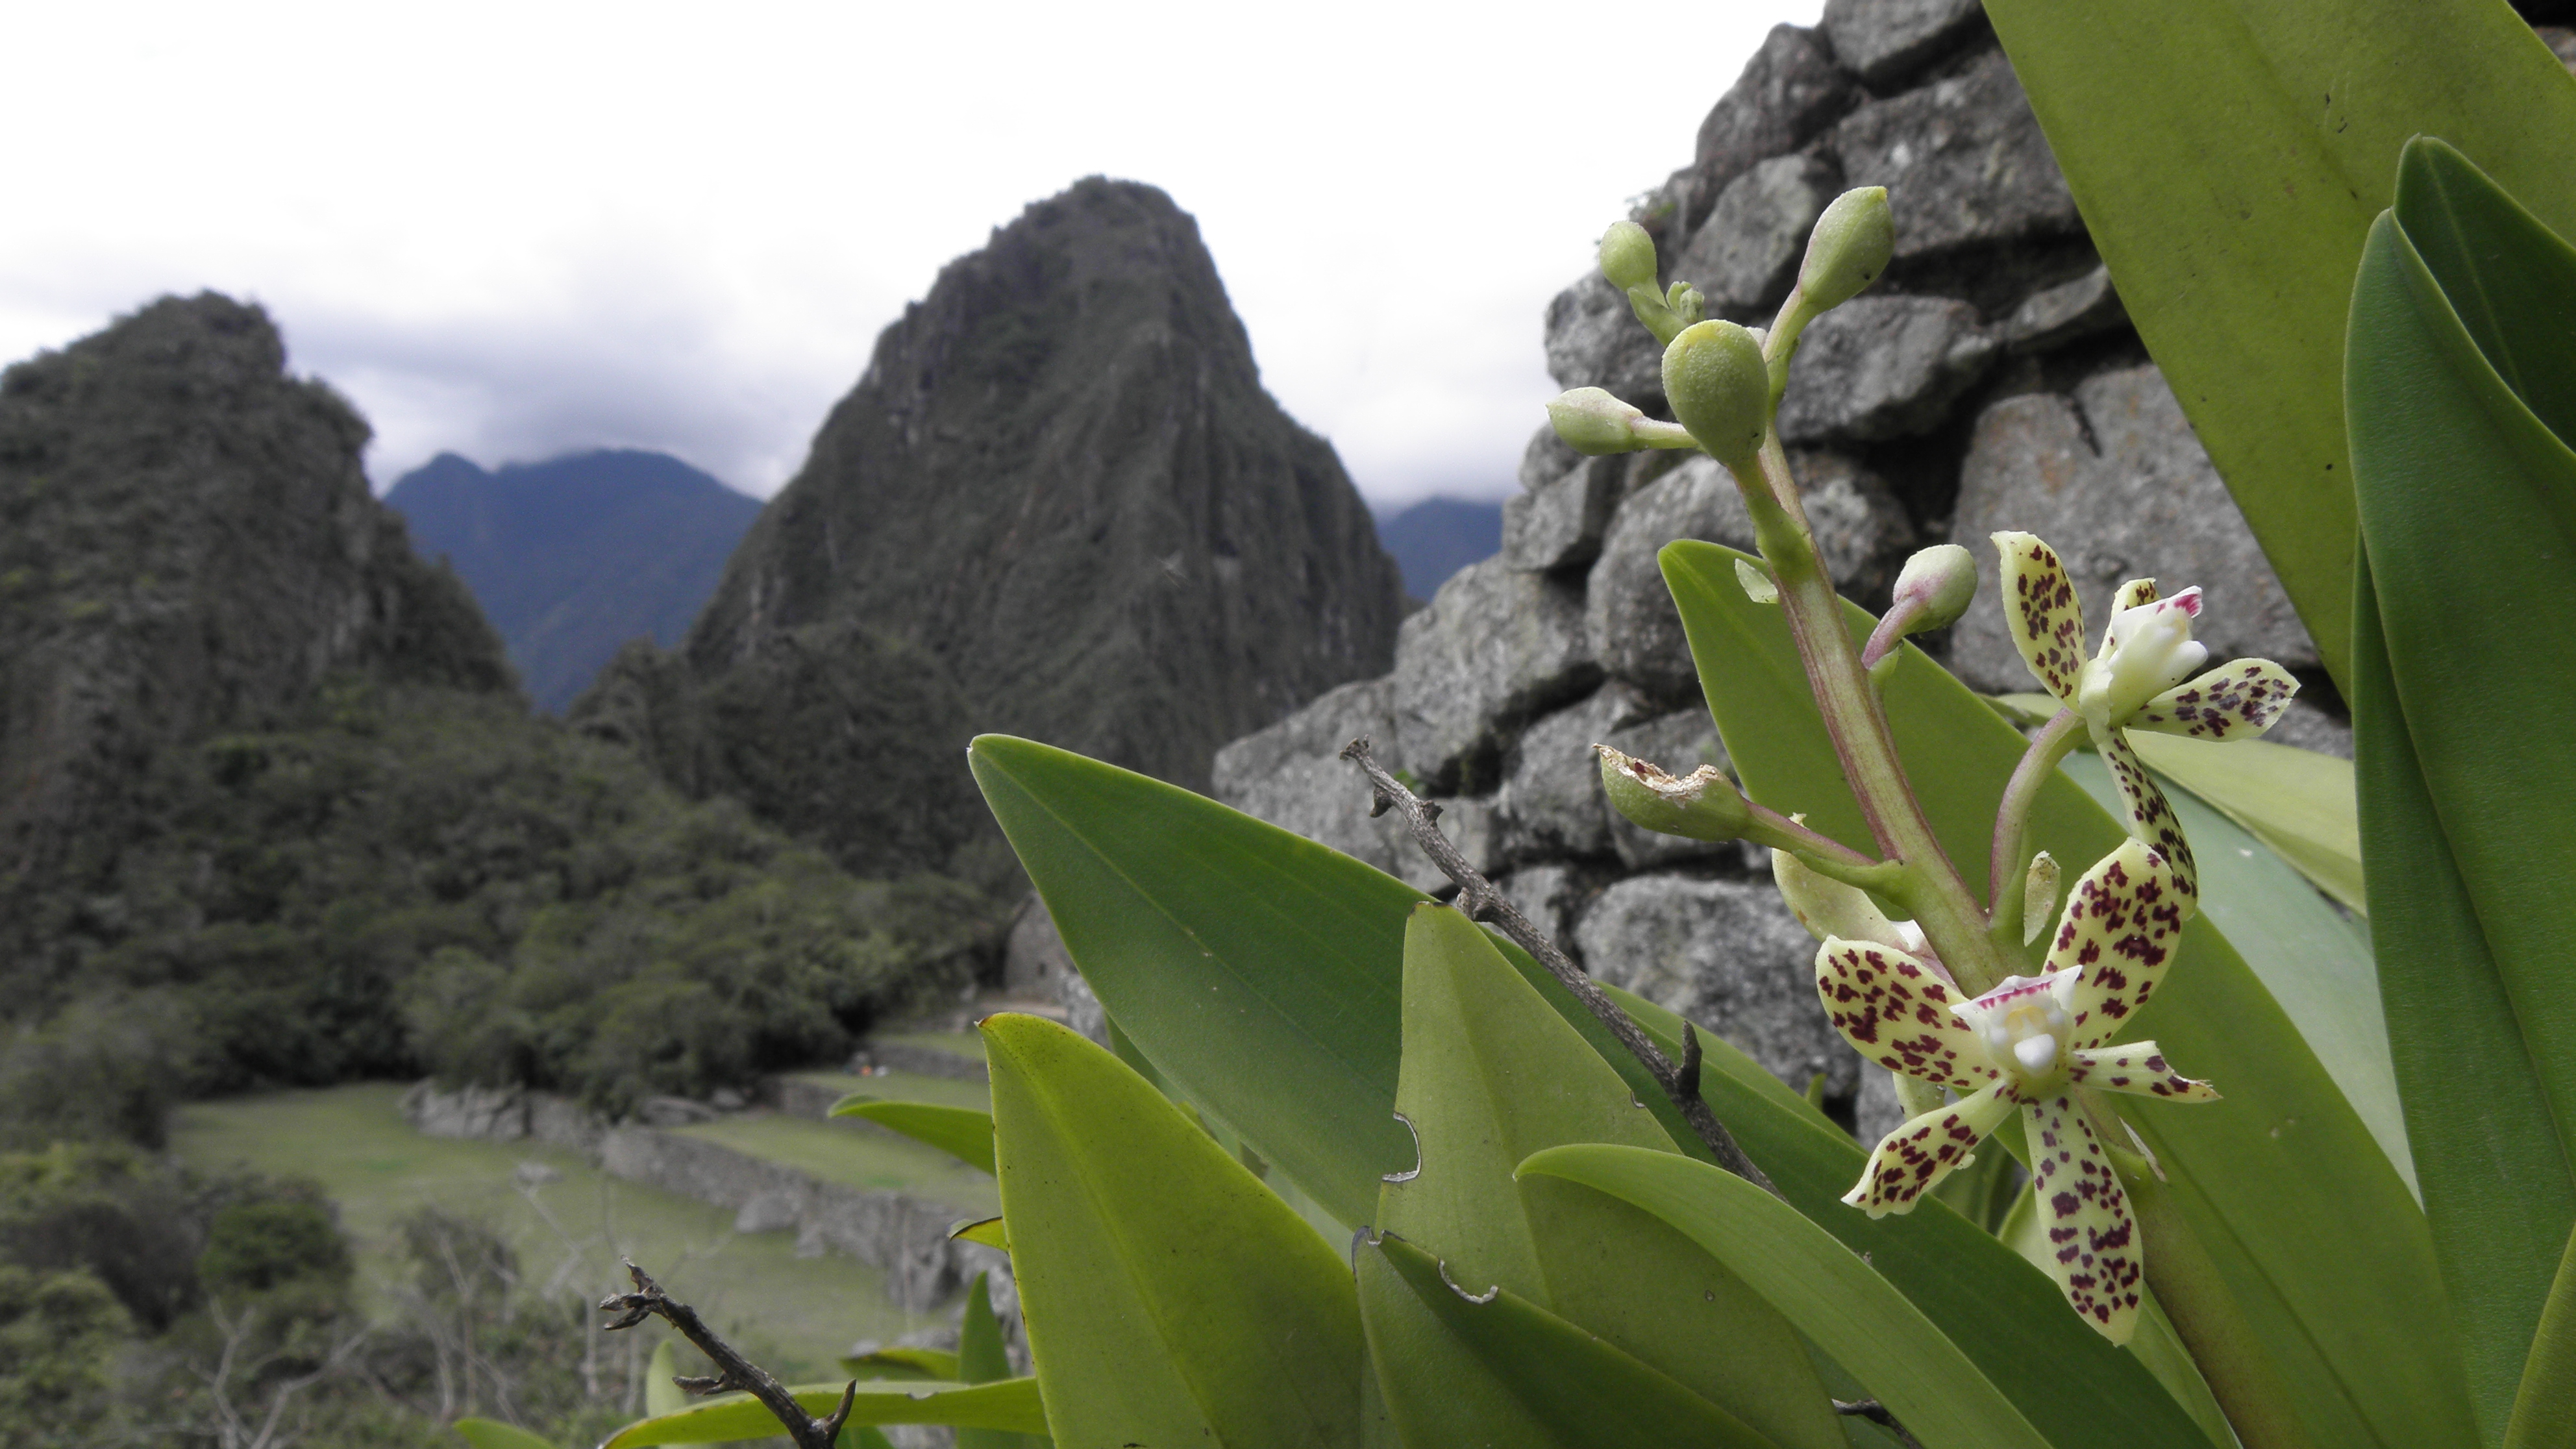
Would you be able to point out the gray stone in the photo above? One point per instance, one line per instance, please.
(2115, 481)
(673, 1112)
(1681, 742)
(1550, 895)
(1861, 530)
(1033, 955)
(484, 1114)
(1494, 647)
(1882, 367)
(1876, 1109)
(1082, 1010)
(1551, 804)
(1547, 458)
(1293, 776)
(1745, 256)
(1884, 40)
(2067, 313)
(1595, 340)
(1963, 162)
(1728, 955)
(2561, 42)
(1788, 93)
(1559, 524)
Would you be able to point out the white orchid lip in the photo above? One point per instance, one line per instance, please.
(2146, 650)
(2023, 1024)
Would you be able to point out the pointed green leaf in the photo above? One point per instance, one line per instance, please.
(1254, 967)
(2285, 1186)
(961, 1132)
(2463, 740)
(1931, 1386)
(493, 1434)
(981, 1359)
(902, 1361)
(987, 1231)
(1582, 1392)
(1011, 1404)
(1492, 1074)
(2298, 802)
(661, 1396)
(2228, 156)
(1169, 1297)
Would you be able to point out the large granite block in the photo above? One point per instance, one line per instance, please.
(1882, 41)
(1745, 256)
(1293, 776)
(1882, 367)
(1963, 162)
(1788, 93)
(1559, 524)
(1495, 647)
(2115, 480)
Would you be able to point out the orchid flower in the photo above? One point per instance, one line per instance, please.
(2145, 676)
(2028, 1043)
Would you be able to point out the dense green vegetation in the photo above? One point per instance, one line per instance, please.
(416, 880)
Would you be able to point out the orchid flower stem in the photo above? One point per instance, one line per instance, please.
(1774, 831)
(1927, 883)
(2012, 821)
(2233, 1361)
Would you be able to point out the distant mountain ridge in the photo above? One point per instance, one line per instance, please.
(572, 557)
(1436, 537)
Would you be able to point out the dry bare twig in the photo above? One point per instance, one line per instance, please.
(736, 1372)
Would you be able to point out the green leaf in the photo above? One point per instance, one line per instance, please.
(1582, 1392)
(961, 1132)
(661, 1396)
(1492, 1074)
(987, 1231)
(493, 1434)
(2228, 156)
(1170, 1297)
(2316, 963)
(2464, 741)
(1833, 1297)
(2298, 802)
(2545, 1402)
(1256, 968)
(981, 1359)
(901, 1361)
(1011, 1404)
(1326, 1028)
(2317, 1235)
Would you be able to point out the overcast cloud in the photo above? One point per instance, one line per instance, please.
(513, 231)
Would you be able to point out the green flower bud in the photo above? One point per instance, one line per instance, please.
(1702, 805)
(1593, 422)
(1848, 249)
(1944, 577)
(1685, 303)
(1628, 256)
(1720, 389)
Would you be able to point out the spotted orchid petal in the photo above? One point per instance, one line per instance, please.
(2046, 619)
(2117, 935)
(2137, 1068)
(2149, 816)
(2133, 594)
(2232, 702)
(1922, 1150)
(2092, 1241)
(1896, 1011)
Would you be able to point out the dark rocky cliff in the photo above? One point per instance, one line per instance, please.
(190, 545)
(1060, 482)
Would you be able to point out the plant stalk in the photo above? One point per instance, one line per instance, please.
(2012, 824)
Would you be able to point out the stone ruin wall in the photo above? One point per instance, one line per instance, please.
(1991, 379)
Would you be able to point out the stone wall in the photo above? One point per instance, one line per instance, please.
(1990, 380)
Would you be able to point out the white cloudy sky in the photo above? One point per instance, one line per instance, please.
(516, 230)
